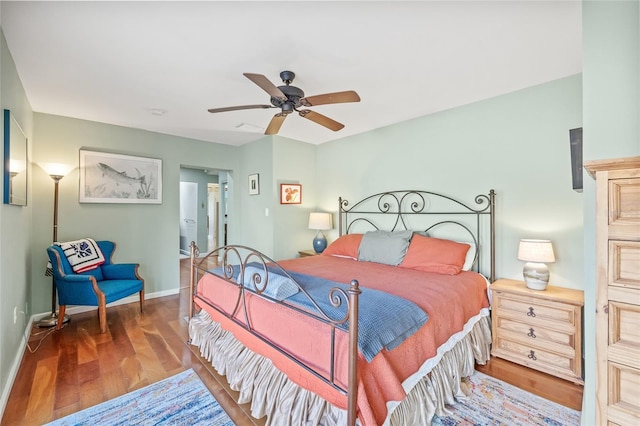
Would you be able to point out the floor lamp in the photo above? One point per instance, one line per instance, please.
(56, 171)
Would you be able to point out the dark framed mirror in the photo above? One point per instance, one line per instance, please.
(15, 161)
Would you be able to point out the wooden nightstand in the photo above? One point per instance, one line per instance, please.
(539, 329)
(305, 253)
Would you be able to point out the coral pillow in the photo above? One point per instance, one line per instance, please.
(435, 255)
(345, 246)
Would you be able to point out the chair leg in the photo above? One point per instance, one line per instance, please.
(141, 300)
(61, 313)
(102, 314)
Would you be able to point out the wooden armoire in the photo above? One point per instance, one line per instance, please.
(617, 290)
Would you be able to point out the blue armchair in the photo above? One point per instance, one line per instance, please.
(105, 284)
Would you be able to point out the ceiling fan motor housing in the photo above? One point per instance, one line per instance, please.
(293, 94)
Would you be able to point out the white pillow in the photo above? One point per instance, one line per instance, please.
(471, 255)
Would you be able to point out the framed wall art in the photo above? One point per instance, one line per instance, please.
(118, 178)
(290, 193)
(254, 184)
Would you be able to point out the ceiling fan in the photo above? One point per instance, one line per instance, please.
(290, 98)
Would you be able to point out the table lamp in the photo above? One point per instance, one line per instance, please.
(536, 253)
(320, 222)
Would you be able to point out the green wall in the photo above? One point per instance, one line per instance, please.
(611, 109)
(145, 233)
(16, 231)
(293, 162)
(277, 230)
(516, 144)
(255, 226)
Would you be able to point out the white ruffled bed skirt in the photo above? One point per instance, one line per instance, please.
(272, 394)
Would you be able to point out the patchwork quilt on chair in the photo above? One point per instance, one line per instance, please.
(83, 255)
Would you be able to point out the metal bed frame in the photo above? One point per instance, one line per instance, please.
(403, 206)
(400, 206)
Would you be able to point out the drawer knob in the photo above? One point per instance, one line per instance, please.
(531, 313)
(531, 333)
(532, 355)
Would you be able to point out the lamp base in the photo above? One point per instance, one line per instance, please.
(319, 242)
(52, 321)
(536, 275)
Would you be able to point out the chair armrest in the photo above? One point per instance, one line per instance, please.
(75, 278)
(76, 289)
(121, 271)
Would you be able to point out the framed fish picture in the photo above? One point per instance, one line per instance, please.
(119, 178)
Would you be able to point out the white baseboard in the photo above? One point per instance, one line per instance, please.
(70, 311)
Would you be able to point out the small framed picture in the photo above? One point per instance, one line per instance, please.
(290, 193)
(254, 184)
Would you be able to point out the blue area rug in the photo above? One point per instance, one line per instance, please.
(178, 400)
(493, 402)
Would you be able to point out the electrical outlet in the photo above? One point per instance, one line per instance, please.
(15, 315)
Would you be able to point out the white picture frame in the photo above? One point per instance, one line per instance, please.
(118, 178)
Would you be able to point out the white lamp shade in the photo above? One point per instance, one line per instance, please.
(16, 166)
(56, 169)
(320, 221)
(539, 251)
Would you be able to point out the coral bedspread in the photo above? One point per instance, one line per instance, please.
(450, 301)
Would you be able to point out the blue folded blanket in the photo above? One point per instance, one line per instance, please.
(278, 287)
(385, 320)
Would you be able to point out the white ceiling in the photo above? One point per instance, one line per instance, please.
(118, 62)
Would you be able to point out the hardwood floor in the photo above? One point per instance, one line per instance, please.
(549, 387)
(78, 367)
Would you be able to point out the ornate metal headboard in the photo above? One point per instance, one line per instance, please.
(435, 214)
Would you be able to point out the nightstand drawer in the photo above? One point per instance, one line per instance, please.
(537, 311)
(536, 358)
(531, 334)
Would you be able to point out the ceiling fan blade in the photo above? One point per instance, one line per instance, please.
(331, 98)
(275, 124)
(322, 120)
(266, 85)
(236, 108)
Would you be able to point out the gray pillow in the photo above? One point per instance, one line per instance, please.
(384, 247)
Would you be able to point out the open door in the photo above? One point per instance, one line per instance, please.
(188, 215)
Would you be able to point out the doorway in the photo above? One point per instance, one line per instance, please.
(188, 215)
